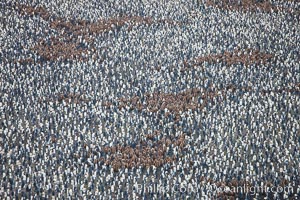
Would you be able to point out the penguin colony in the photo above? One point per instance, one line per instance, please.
(149, 99)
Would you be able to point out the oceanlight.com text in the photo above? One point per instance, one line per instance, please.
(213, 188)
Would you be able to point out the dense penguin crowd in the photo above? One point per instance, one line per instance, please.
(149, 99)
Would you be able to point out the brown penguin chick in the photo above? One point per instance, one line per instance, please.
(158, 68)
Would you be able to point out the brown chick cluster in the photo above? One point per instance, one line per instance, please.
(83, 27)
(66, 45)
(149, 152)
(170, 103)
(32, 11)
(61, 49)
(251, 5)
(188, 100)
(246, 57)
(78, 27)
(174, 103)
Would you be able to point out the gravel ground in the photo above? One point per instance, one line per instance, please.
(149, 100)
